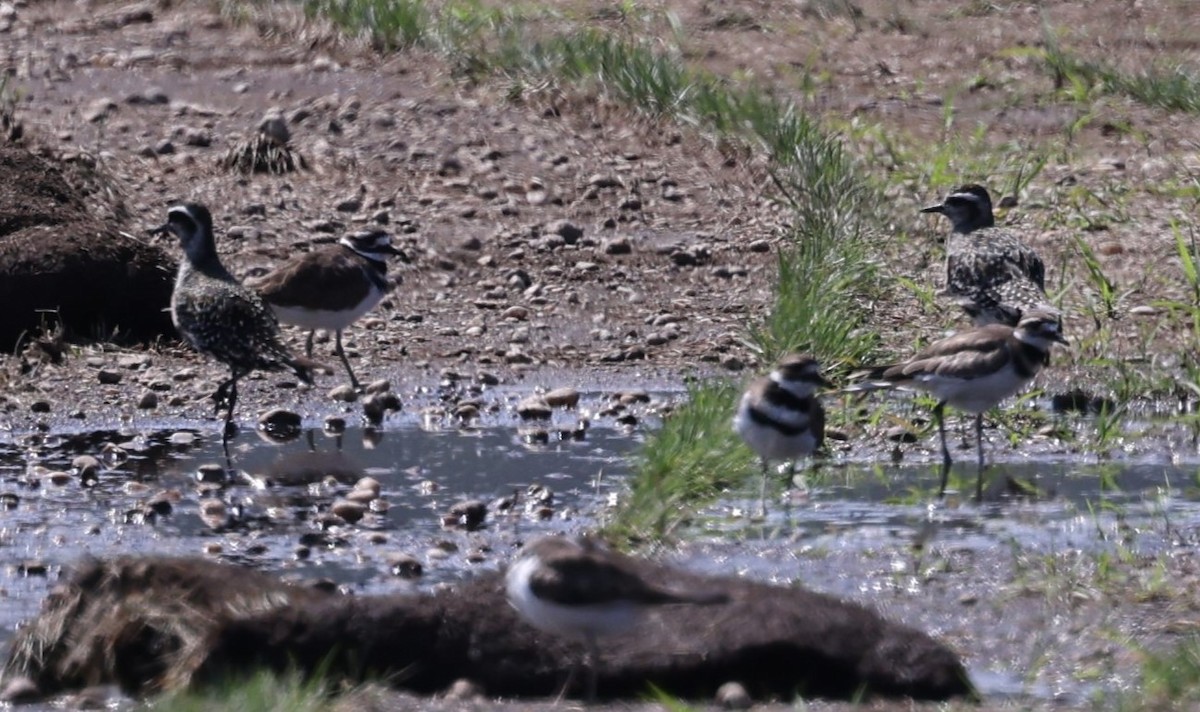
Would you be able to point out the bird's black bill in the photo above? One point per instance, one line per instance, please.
(393, 250)
(934, 209)
(160, 230)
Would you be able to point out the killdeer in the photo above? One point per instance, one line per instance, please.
(331, 288)
(219, 317)
(582, 590)
(990, 273)
(780, 416)
(973, 371)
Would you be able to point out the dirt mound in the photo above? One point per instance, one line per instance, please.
(156, 623)
(60, 263)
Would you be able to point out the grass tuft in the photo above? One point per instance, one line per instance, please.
(1176, 88)
(265, 691)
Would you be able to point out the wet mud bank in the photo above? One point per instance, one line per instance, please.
(151, 624)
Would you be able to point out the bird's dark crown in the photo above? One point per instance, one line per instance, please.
(373, 244)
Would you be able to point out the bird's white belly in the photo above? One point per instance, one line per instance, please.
(769, 443)
(568, 620)
(324, 318)
(974, 395)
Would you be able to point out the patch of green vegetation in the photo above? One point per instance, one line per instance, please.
(1170, 680)
(823, 274)
(263, 692)
(1176, 88)
(693, 457)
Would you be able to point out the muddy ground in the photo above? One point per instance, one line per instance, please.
(563, 240)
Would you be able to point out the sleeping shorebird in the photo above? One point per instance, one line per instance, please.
(584, 591)
(780, 416)
(973, 371)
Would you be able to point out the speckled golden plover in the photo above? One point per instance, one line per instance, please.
(780, 416)
(990, 272)
(218, 316)
(332, 287)
(973, 371)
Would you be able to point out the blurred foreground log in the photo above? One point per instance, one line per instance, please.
(151, 624)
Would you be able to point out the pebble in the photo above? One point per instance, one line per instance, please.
(469, 515)
(369, 484)
(86, 466)
(901, 434)
(733, 696)
(109, 378)
(565, 397)
(148, 401)
(534, 408)
(381, 386)
(211, 473)
(20, 690)
(376, 406)
(40, 406)
(344, 393)
(280, 422)
(463, 689)
(335, 425)
(348, 510)
(405, 566)
(182, 438)
(213, 513)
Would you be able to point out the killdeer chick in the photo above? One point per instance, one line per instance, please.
(973, 371)
(990, 273)
(219, 317)
(780, 416)
(331, 288)
(584, 591)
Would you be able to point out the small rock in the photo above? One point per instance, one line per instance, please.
(213, 513)
(732, 696)
(463, 689)
(376, 406)
(344, 393)
(568, 231)
(20, 690)
(148, 401)
(566, 397)
(86, 466)
(349, 511)
(381, 386)
(109, 378)
(369, 484)
(534, 408)
(617, 246)
(211, 473)
(405, 566)
(901, 434)
(335, 425)
(40, 406)
(469, 515)
(280, 422)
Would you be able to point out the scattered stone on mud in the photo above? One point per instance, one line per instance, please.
(901, 434)
(377, 406)
(280, 422)
(148, 401)
(85, 466)
(732, 696)
(534, 407)
(565, 397)
(214, 513)
(334, 425)
(349, 511)
(405, 566)
(380, 386)
(463, 689)
(108, 378)
(468, 515)
(211, 473)
(344, 393)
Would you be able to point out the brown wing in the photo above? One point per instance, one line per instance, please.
(969, 354)
(326, 279)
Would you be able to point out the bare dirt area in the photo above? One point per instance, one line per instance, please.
(560, 239)
(562, 233)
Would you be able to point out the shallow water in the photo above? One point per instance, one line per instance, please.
(856, 529)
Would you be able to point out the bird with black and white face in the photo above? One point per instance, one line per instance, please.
(780, 416)
(332, 287)
(990, 273)
(219, 317)
(581, 590)
(972, 371)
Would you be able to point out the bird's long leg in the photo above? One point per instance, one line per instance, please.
(308, 343)
(939, 412)
(345, 361)
(232, 401)
(979, 447)
(787, 495)
(593, 666)
(762, 491)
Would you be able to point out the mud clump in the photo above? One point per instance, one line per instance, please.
(152, 624)
(62, 264)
